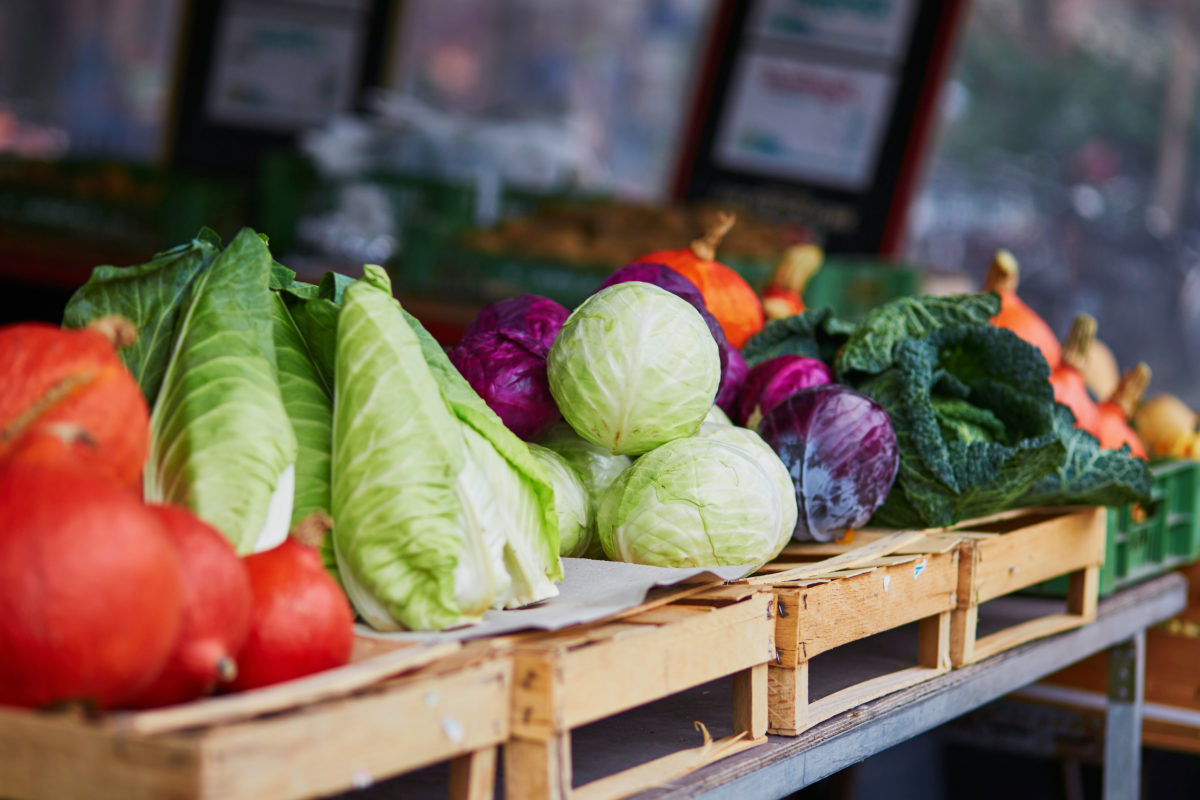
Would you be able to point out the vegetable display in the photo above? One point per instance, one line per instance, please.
(840, 450)
(634, 367)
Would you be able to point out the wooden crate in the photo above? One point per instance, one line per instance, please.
(830, 595)
(393, 710)
(569, 678)
(1004, 554)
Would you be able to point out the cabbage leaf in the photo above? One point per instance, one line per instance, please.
(221, 443)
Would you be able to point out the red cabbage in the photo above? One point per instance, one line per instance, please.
(840, 449)
(664, 277)
(531, 314)
(771, 382)
(732, 380)
(507, 368)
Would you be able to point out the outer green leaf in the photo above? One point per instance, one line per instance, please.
(1089, 475)
(308, 398)
(952, 465)
(815, 333)
(574, 510)
(532, 541)
(150, 295)
(221, 443)
(596, 466)
(408, 548)
(870, 349)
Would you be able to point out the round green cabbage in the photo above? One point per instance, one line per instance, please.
(634, 367)
(694, 502)
(769, 460)
(571, 502)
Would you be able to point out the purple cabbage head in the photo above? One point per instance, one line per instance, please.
(507, 368)
(664, 277)
(771, 382)
(731, 380)
(840, 450)
(531, 314)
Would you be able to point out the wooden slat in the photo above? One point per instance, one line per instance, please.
(1024, 632)
(853, 696)
(1012, 561)
(818, 618)
(750, 701)
(312, 689)
(473, 776)
(883, 546)
(319, 751)
(665, 769)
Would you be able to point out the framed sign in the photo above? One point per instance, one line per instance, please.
(255, 73)
(819, 113)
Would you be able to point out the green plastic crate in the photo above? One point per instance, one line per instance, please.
(852, 286)
(1147, 541)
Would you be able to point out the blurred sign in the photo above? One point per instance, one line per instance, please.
(817, 112)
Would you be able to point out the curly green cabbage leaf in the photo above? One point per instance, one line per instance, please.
(815, 333)
(694, 502)
(221, 443)
(974, 417)
(770, 461)
(633, 367)
(150, 296)
(571, 503)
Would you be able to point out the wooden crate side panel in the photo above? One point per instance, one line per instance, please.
(611, 677)
(50, 758)
(819, 618)
(1011, 561)
(368, 737)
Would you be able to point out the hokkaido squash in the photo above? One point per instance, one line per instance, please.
(216, 612)
(65, 397)
(1067, 376)
(726, 293)
(1015, 315)
(1113, 429)
(784, 295)
(93, 589)
(300, 622)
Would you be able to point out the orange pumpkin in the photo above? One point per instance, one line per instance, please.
(726, 293)
(66, 398)
(1113, 429)
(784, 295)
(1067, 377)
(1002, 278)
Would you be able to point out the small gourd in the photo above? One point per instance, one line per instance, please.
(1113, 427)
(728, 296)
(784, 295)
(1015, 315)
(1067, 376)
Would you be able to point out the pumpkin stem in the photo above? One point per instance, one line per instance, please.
(797, 266)
(1079, 341)
(1003, 274)
(705, 247)
(1131, 388)
(119, 331)
(311, 530)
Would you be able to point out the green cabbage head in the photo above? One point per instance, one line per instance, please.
(694, 502)
(634, 367)
(571, 503)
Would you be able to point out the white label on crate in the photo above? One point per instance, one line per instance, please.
(453, 728)
(887, 581)
(918, 568)
(431, 699)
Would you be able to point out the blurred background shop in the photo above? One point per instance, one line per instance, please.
(484, 148)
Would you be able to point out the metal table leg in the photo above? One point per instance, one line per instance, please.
(1123, 720)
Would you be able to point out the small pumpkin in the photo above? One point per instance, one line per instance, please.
(1113, 429)
(93, 590)
(726, 293)
(301, 621)
(216, 612)
(783, 296)
(1015, 315)
(1067, 376)
(65, 397)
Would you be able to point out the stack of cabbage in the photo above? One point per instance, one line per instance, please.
(635, 371)
(273, 397)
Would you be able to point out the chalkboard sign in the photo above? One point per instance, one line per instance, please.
(818, 112)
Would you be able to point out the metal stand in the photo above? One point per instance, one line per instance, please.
(1123, 720)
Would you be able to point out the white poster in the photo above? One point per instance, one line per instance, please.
(815, 123)
(875, 27)
(285, 70)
